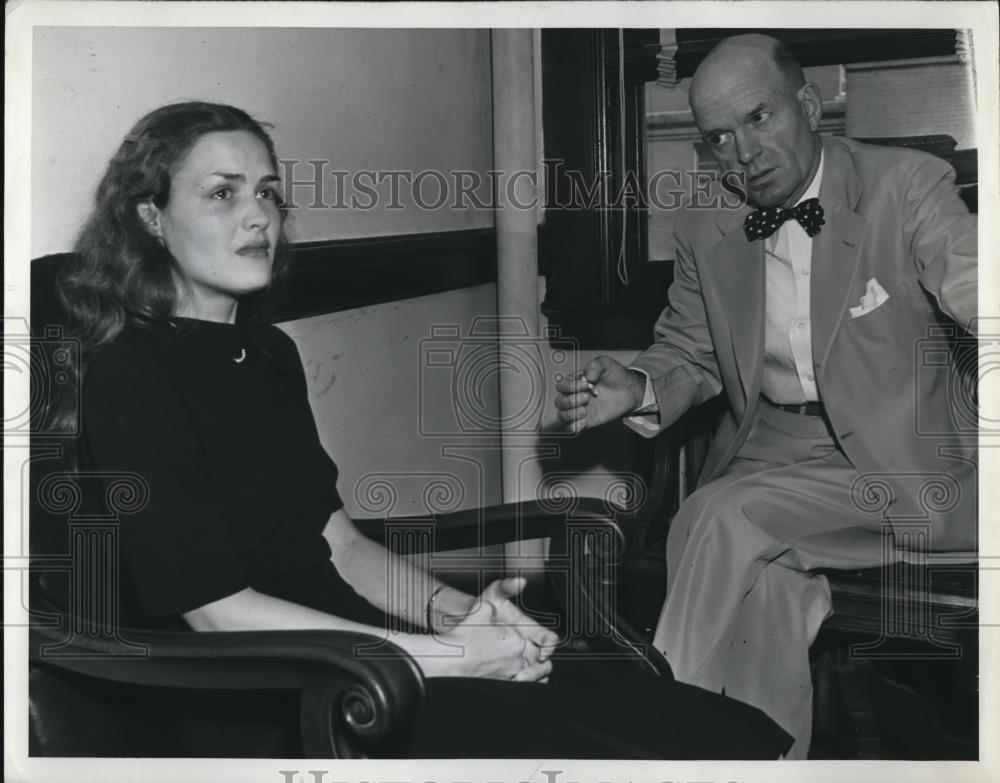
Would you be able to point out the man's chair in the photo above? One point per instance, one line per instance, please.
(98, 688)
(895, 666)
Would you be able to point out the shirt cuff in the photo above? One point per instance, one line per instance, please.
(646, 416)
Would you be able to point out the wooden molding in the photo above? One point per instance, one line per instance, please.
(333, 275)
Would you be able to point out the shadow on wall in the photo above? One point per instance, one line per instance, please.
(609, 462)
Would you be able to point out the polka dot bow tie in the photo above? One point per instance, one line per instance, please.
(761, 223)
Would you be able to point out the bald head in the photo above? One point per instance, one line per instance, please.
(768, 56)
(759, 116)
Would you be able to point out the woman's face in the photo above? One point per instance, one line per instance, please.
(221, 223)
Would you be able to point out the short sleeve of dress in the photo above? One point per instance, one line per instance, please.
(178, 550)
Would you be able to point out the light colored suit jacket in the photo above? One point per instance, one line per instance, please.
(887, 377)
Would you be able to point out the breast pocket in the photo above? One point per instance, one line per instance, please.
(883, 335)
(876, 314)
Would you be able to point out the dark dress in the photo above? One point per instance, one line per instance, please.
(215, 419)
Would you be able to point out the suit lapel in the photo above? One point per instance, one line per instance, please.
(737, 269)
(836, 249)
(738, 275)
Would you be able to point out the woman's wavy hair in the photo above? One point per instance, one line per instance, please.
(122, 270)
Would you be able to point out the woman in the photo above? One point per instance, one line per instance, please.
(244, 529)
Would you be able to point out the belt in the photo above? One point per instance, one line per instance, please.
(802, 408)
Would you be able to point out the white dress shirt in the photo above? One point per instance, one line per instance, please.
(788, 375)
(788, 363)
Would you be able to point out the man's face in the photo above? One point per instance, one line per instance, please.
(756, 124)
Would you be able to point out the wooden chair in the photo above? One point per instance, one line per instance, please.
(918, 618)
(357, 695)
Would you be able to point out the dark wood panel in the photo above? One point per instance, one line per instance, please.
(601, 287)
(333, 275)
(611, 330)
(823, 47)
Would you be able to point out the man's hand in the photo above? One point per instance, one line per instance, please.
(605, 390)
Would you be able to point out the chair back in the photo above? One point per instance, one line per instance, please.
(52, 453)
(70, 714)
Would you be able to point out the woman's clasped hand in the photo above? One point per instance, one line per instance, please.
(494, 640)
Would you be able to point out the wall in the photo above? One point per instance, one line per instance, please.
(373, 99)
(364, 372)
(361, 99)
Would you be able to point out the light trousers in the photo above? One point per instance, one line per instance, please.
(742, 605)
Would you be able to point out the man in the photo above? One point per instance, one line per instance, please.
(809, 323)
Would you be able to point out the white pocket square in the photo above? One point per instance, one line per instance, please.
(875, 296)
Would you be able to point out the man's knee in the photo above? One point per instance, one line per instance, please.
(722, 499)
(732, 516)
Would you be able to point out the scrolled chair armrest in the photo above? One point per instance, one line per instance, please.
(589, 539)
(508, 522)
(359, 694)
